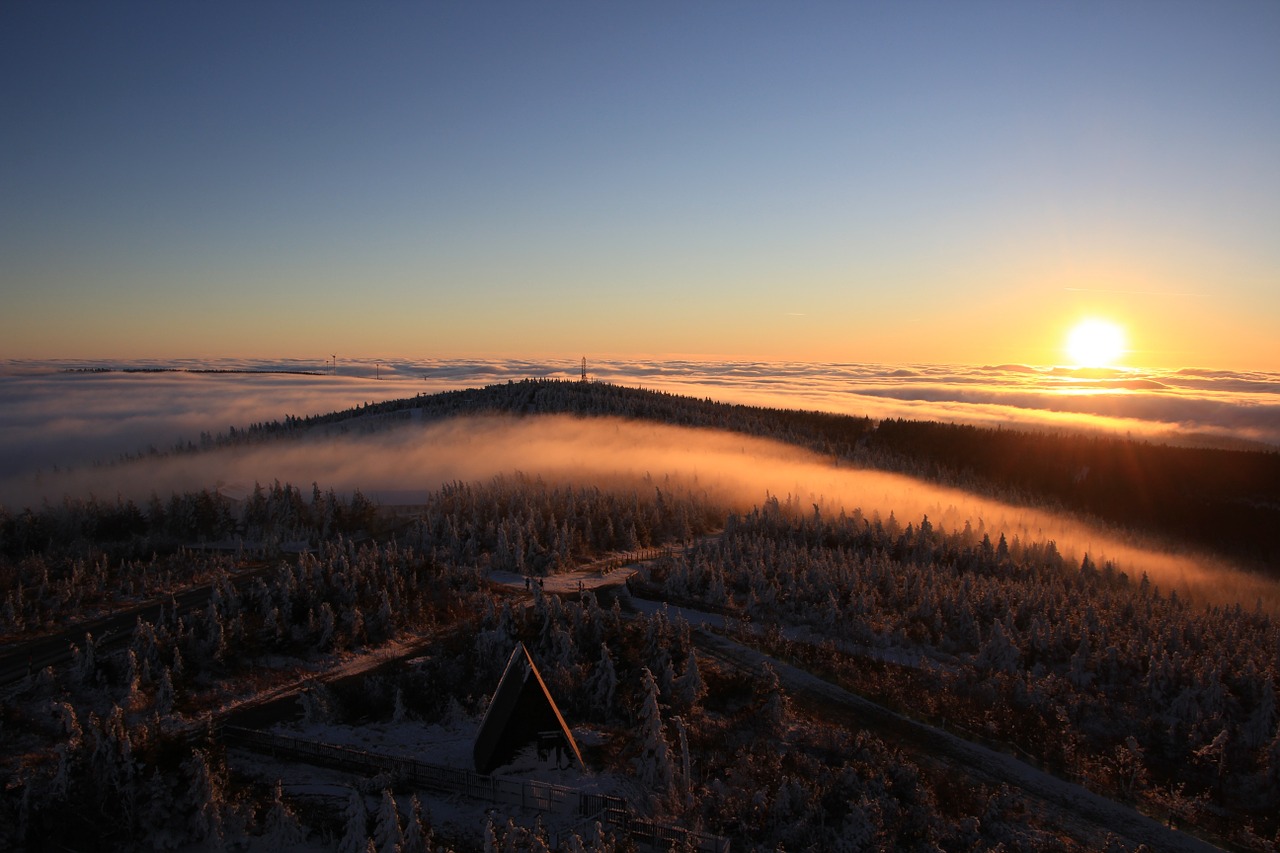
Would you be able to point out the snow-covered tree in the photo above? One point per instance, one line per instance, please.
(387, 833)
(205, 800)
(689, 687)
(603, 684)
(775, 709)
(281, 827)
(998, 653)
(355, 835)
(417, 830)
(653, 764)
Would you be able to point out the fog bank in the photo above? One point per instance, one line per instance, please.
(402, 465)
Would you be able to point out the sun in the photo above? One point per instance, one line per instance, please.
(1095, 343)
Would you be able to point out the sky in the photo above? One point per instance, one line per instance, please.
(888, 183)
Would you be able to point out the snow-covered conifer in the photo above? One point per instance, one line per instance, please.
(1080, 674)
(355, 836)
(318, 705)
(387, 833)
(70, 723)
(690, 688)
(686, 764)
(281, 827)
(775, 709)
(490, 836)
(84, 666)
(653, 764)
(667, 679)
(204, 800)
(417, 830)
(998, 653)
(132, 678)
(603, 684)
(165, 695)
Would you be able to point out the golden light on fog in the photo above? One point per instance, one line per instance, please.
(1095, 343)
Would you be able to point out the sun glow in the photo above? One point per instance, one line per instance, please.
(1095, 343)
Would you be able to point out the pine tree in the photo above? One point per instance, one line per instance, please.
(998, 653)
(653, 765)
(686, 765)
(490, 836)
(164, 693)
(417, 830)
(204, 801)
(690, 688)
(1080, 675)
(603, 684)
(399, 712)
(281, 827)
(387, 833)
(356, 834)
(84, 662)
(775, 709)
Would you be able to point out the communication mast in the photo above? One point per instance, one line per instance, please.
(584, 368)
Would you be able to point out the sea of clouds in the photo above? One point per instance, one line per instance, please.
(60, 418)
(59, 414)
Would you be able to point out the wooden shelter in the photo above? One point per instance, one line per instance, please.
(521, 713)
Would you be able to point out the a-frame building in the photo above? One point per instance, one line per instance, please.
(521, 712)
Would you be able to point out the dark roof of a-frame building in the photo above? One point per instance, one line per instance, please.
(521, 710)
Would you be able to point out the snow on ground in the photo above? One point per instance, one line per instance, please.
(447, 744)
(566, 583)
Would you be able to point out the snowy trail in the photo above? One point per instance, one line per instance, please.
(1073, 802)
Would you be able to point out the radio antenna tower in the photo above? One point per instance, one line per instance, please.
(584, 368)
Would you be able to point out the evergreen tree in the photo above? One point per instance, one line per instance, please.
(387, 833)
(690, 688)
(603, 684)
(356, 834)
(775, 709)
(653, 764)
(417, 830)
(281, 827)
(998, 653)
(204, 801)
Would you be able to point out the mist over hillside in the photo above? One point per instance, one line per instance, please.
(1223, 500)
(1081, 492)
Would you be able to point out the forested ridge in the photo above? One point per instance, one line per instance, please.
(1226, 501)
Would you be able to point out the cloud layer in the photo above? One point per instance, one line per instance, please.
(52, 417)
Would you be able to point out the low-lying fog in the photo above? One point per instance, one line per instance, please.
(402, 465)
(71, 413)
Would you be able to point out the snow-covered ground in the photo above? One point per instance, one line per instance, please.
(449, 745)
(566, 583)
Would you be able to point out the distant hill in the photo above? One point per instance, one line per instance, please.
(1227, 501)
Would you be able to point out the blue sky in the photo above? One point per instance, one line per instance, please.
(907, 182)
